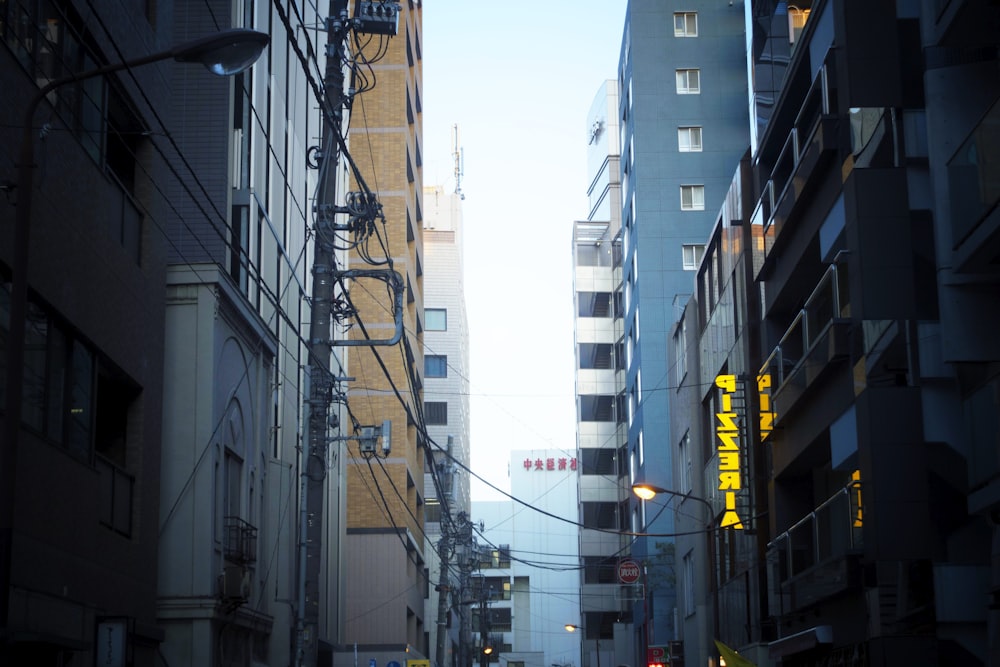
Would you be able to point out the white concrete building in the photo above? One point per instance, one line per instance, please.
(446, 405)
(602, 407)
(532, 561)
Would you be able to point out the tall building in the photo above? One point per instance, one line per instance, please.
(719, 491)
(682, 112)
(600, 385)
(386, 569)
(236, 351)
(877, 296)
(79, 464)
(446, 394)
(528, 583)
(873, 240)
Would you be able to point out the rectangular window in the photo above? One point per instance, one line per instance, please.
(593, 304)
(688, 591)
(692, 197)
(435, 319)
(597, 408)
(600, 570)
(680, 352)
(436, 413)
(600, 515)
(689, 139)
(436, 366)
(688, 81)
(595, 461)
(691, 255)
(686, 466)
(685, 24)
(595, 355)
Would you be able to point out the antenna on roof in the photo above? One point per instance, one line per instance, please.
(459, 164)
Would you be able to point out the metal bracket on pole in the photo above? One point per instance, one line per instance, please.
(395, 281)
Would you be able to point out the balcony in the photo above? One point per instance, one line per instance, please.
(811, 141)
(239, 543)
(816, 558)
(816, 338)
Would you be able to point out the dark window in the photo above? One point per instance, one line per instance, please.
(595, 355)
(597, 408)
(500, 620)
(600, 515)
(432, 511)
(436, 412)
(600, 570)
(597, 461)
(239, 244)
(594, 304)
(71, 396)
(436, 366)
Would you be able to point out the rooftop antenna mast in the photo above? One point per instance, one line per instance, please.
(459, 164)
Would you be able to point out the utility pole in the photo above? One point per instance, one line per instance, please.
(446, 547)
(371, 16)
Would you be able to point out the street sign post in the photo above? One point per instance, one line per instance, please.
(628, 571)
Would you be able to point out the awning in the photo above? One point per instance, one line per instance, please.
(732, 658)
(801, 641)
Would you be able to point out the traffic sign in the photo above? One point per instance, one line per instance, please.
(628, 571)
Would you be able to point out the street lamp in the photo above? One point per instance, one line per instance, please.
(597, 640)
(224, 53)
(648, 491)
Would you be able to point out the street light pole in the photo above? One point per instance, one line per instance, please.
(224, 54)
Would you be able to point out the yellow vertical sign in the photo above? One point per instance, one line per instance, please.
(727, 431)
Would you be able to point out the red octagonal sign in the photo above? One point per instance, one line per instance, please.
(628, 571)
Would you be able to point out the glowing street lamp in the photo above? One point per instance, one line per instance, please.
(648, 491)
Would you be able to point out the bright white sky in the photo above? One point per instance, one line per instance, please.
(518, 78)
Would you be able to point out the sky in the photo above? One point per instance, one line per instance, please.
(518, 79)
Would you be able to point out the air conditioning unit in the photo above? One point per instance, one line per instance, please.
(236, 582)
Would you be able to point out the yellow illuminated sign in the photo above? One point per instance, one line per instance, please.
(766, 413)
(727, 432)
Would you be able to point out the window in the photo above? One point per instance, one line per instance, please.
(688, 592)
(691, 255)
(436, 366)
(688, 81)
(600, 514)
(600, 570)
(436, 412)
(597, 461)
(594, 304)
(689, 139)
(684, 449)
(593, 254)
(692, 197)
(597, 408)
(595, 355)
(500, 619)
(435, 319)
(680, 352)
(685, 24)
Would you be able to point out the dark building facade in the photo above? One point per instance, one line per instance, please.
(81, 467)
(874, 246)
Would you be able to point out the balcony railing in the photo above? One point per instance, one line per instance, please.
(809, 561)
(815, 336)
(811, 138)
(240, 541)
